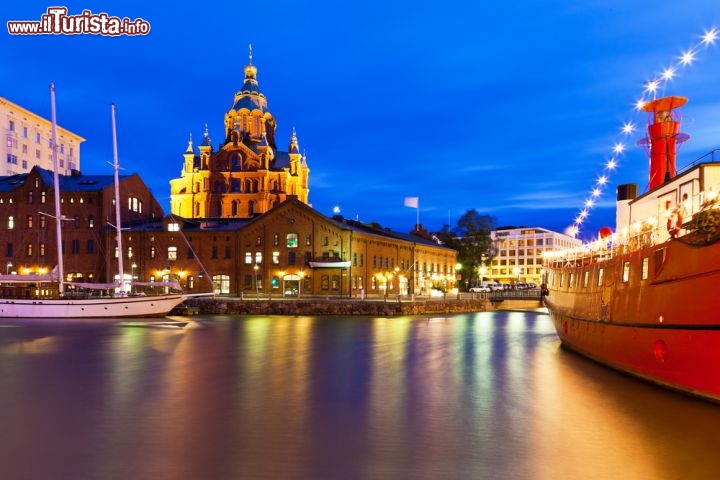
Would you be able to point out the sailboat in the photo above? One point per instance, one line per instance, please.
(65, 303)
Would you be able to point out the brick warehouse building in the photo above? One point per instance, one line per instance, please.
(246, 224)
(291, 250)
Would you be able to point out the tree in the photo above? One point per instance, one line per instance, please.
(471, 238)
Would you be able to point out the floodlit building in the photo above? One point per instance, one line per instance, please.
(28, 141)
(519, 253)
(248, 175)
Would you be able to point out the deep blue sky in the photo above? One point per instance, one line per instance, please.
(510, 108)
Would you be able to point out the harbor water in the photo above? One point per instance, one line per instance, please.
(488, 395)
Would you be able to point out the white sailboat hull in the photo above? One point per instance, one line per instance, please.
(110, 309)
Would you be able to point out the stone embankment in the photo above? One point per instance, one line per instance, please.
(345, 307)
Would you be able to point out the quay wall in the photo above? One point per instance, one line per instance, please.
(235, 306)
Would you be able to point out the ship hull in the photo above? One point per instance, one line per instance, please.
(110, 309)
(653, 313)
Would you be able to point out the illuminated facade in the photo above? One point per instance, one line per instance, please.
(241, 224)
(519, 252)
(27, 142)
(248, 175)
(27, 225)
(292, 251)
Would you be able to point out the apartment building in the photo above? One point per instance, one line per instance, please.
(28, 141)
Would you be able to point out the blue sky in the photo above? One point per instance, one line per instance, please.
(510, 108)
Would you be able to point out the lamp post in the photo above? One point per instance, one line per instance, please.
(302, 276)
(256, 267)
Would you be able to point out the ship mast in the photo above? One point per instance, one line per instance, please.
(118, 231)
(56, 184)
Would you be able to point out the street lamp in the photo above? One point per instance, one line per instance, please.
(256, 267)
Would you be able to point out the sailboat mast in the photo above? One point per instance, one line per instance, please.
(118, 223)
(56, 185)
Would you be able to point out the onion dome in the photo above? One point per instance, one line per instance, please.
(249, 96)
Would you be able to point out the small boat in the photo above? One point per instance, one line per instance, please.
(643, 299)
(66, 301)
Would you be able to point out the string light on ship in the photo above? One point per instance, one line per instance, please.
(651, 88)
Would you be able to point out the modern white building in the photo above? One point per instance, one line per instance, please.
(27, 142)
(519, 253)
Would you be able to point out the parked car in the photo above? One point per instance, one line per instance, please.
(480, 289)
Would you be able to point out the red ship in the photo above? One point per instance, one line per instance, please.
(646, 299)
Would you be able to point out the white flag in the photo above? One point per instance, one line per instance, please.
(411, 202)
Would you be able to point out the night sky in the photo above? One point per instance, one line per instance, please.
(509, 108)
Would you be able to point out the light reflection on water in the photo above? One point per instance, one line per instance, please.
(486, 395)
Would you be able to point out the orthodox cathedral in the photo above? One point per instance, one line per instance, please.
(248, 175)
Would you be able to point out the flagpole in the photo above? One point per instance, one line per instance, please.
(417, 210)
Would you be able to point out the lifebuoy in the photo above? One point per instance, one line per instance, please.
(674, 223)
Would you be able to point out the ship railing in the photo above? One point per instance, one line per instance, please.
(701, 213)
(711, 157)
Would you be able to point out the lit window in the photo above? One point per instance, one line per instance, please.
(172, 253)
(173, 227)
(258, 257)
(11, 222)
(645, 268)
(292, 240)
(275, 258)
(248, 258)
(626, 272)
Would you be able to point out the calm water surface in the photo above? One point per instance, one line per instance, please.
(473, 396)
